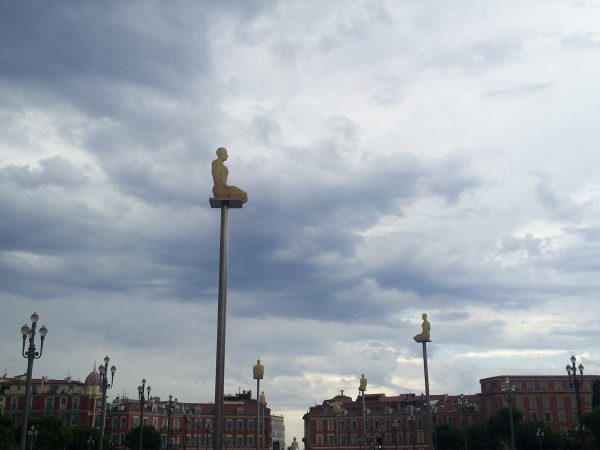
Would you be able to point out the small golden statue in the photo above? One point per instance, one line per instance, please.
(258, 370)
(220, 172)
(423, 336)
(363, 383)
(262, 400)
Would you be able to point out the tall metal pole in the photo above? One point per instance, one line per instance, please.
(30, 354)
(509, 388)
(575, 383)
(429, 430)
(142, 401)
(224, 204)
(221, 322)
(362, 388)
(104, 386)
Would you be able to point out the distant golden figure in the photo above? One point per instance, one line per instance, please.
(363, 383)
(262, 400)
(220, 172)
(258, 370)
(426, 326)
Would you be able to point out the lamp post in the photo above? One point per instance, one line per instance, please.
(411, 421)
(576, 382)
(30, 354)
(509, 389)
(540, 437)
(31, 436)
(197, 427)
(462, 402)
(141, 388)
(104, 386)
(169, 411)
(395, 425)
(90, 443)
(337, 409)
(207, 430)
(186, 418)
(434, 412)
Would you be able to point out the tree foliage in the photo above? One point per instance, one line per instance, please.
(81, 435)
(448, 437)
(7, 432)
(151, 438)
(52, 433)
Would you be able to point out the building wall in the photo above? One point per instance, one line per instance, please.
(548, 399)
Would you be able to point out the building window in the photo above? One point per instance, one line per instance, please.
(354, 439)
(74, 419)
(239, 425)
(520, 402)
(342, 424)
(330, 439)
(154, 422)
(124, 422)
(561, 416)
(354, 425)
(450, 420)
(419, 422)
(251, 440)
(229, 425)
(547, 417)
(330, 425)
(544, 385)
(560, 401)
(319, 425)
(399, 438)
(530, 386)
(239, 440)
(319, 439)
(558, 385)
(532, 402)
(534, 416)
(343, 439)
(409, 438)
(75, 403)
(546, 402)
(13, 403)
(376, 424)
(517, 385)
(136, 422)
(420, 437)
(388, 438)
(49, 403)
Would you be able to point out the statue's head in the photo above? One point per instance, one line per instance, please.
(221, 152)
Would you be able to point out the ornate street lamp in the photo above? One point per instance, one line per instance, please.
(395, 425)
(197, 427)
(90, 443)
(509, 389)
(30, 354)
(32, 436)
(104, 386)
(462, 402)
(169, 410)
(411, 421)
(576, 382)
(141, 388)
(540, 437)
(186, 419)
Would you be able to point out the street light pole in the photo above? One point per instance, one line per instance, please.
(30, 354)
(509, 389)
(411, 420)
(463, 403)
(32, 435)
(540, 437)
(362, 387)
(576, 382)
(104, 386)
(141, 389)
(169, 412)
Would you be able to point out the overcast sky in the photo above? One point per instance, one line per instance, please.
(400, 157)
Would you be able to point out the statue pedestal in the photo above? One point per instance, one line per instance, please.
(218, 202)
